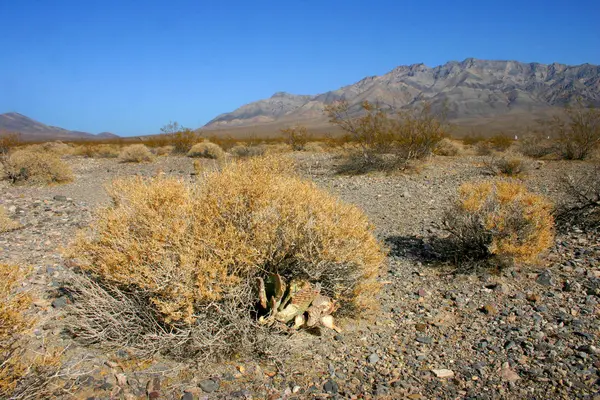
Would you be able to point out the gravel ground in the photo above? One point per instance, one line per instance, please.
(517, 333)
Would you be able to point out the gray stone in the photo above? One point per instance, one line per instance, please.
(373, 358)
(424, 339)
(545, 278)
(209, 385)
(331, 386)
(60, 302)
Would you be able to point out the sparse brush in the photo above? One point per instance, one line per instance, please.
(447, 148)
(36, 167)
(499, 220)
(483, 148)
(277, 148)
(314, 147)
(188, 256)
(8, 141)
(163, 150)
(136, 153)
(206, 150)
(577, 131)
(511, 165)
(21, 375)
(536, 146)
(296, 137)
(472, 139)
(6, 224)
(580, 204)
(500, 142)
(243, 151)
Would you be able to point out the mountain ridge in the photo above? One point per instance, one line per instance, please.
(31, 129)
(471, 89)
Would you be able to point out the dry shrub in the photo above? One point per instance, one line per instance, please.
(163, 150)
(580, 204)
(206, 150)
(296, 137)
(180, 261)
(447, 148)
(314, 147)
(511, 165)
(500, 142)
(182, 139)
(472, 139)
(243, 151)
(22, 375)
(577, 131)
(36, 168)
(136, 153)
(277, 148)
(58, 148)
(483, 148)
(499, 220)
(8, 141)
(6, 224)
(536, 146)
(387, 142)
(97, 150)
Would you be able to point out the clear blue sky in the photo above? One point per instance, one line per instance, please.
(131, 66)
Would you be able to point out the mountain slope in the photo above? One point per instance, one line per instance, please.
(469, 89)
(31, 129)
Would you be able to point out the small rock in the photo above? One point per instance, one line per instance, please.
(60, 198)
(490, 309)
(507, 374)
(187, 396)
(331, 386)
(545, 278)
(373, 358)
(421, 327)
(153, 388)
(424, 339)
(443, 373)
(533, 297)
(209, 385)
(60, 302)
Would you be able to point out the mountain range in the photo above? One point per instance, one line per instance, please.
(31, 129)
(471, 91)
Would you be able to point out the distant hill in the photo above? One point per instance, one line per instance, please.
(473, 90)
(31, 129)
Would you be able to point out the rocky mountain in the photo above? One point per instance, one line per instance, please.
(471, 89)
(31, 129)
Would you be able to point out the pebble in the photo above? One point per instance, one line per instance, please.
(209, 385)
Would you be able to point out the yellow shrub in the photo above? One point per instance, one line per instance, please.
(136, 153)
(447, 148)
(36, 167)
(509, 165)
(163, 150)
(6, 224)
(186, 247)
(314, 147)
(206, 150)
(500, 219)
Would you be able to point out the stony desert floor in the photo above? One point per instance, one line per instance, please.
(519, 333)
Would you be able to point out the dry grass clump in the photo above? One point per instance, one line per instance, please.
(36, 167)
(97, 150)
(184, 259)
(314, 147)
(577, 131)
(447, 148)
(8, 141)
(22, 376)
(296, 137)
(243, 151)
(536, 146)
(387, 142)
(6, 224)
(581, 198)
(511, 165)
(277, 148)
(207, 150)
(499, 220)
(136, 153)
(163, 150)
(483, 148)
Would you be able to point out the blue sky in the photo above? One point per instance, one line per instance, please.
(131, 66)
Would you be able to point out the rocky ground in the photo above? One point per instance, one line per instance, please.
(518, 333)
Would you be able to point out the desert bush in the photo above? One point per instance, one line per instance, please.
(500, 142)
(536, 146)
(206, 150)
(59, 148)
(473, 139)
(106, 151)
(386, 142)
(314, 147)
(277, 148)
(577, 131)
(163, 150)
(499, 220)
(182, 139)
(296, 137)
(22, 376)
(580, 204)
(447, 147)
(511, 165)
(36, 167)
(243, 151)
(185, 258)
(483, 148)
(8, 141)
(6, 224)
(136, 153)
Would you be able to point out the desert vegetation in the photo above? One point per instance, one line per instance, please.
(500, 220)
(206, 150)
(136, 153)
(35, 167)
(511, 165)
(6, 224)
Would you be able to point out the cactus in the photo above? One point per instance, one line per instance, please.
(300, 302)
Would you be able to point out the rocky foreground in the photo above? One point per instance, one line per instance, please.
(518, 333)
